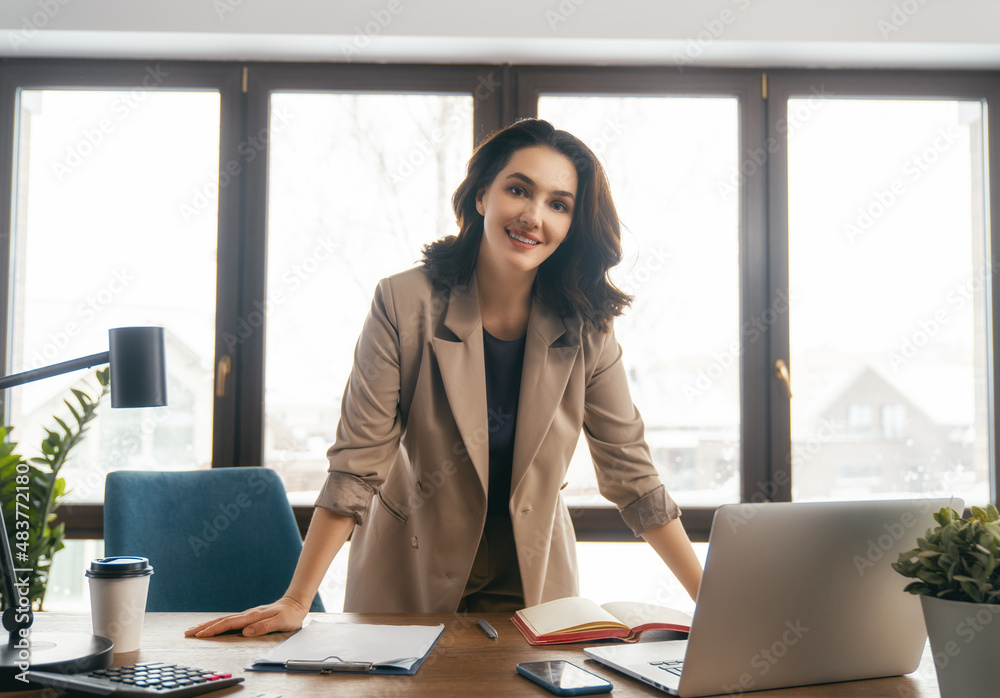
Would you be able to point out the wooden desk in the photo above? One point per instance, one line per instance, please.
(464, 662)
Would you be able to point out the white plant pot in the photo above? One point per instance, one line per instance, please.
(965, 642)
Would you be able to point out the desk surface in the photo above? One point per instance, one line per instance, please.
(464, 662)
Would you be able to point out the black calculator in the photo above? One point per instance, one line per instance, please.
(139, 680)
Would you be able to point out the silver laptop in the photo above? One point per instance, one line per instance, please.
(794, 594)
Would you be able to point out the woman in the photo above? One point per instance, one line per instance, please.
(505, 329)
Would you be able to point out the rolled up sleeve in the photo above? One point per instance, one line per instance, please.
(368, 434)
(346, 495)
(650, 511)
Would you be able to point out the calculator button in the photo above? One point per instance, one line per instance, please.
(149, 678)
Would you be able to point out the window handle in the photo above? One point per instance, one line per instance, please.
(782, 374)
(221, 373)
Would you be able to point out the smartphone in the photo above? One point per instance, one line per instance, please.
(563, 678)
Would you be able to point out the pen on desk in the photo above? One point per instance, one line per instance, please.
(488, 629)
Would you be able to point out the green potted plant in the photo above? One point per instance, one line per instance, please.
(956, 568)
(32, 489)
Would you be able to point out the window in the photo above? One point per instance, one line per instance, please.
(894, 421)
(115, 225)
(859, 419)
(357, 184)
(681, 238)
(889, 284)
(837, 222)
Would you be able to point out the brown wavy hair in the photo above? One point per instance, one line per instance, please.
(574, 279)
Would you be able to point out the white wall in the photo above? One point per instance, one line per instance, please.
(917, 33)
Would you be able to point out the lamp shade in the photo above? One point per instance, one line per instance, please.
(138, 367)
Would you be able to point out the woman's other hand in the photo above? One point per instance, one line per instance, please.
(283, 615)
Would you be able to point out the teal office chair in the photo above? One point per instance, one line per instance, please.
(219, 540)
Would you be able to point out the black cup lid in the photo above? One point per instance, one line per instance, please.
(119, 566)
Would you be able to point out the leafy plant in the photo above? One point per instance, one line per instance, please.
(959, 559)
(31, 489)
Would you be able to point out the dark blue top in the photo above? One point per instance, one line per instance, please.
(504, 360)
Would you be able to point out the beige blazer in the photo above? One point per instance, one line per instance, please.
(411, 458)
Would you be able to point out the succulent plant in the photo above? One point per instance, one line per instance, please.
(957, 560)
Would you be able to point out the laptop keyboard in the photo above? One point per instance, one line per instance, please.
(672, 666)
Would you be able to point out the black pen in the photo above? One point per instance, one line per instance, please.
(488, 629)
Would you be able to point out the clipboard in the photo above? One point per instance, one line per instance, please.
(327, 648)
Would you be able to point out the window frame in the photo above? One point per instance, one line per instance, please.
(86, 520)
(746, 85)
(245, 90)
(265, 79)
(888, 84)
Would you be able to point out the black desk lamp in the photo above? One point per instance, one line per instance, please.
(138, 379)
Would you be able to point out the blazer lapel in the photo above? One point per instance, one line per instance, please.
(461, 362)
(550, 352)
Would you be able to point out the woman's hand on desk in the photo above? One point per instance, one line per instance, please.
(282, 615)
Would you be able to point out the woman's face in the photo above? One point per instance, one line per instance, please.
(527, 209)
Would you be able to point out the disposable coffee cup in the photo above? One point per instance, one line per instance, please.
(118, 587)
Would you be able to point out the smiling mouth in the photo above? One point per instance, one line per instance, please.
(522, 239)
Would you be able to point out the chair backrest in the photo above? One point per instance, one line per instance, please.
(220, 540)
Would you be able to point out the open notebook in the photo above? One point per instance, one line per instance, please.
(575, 619)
